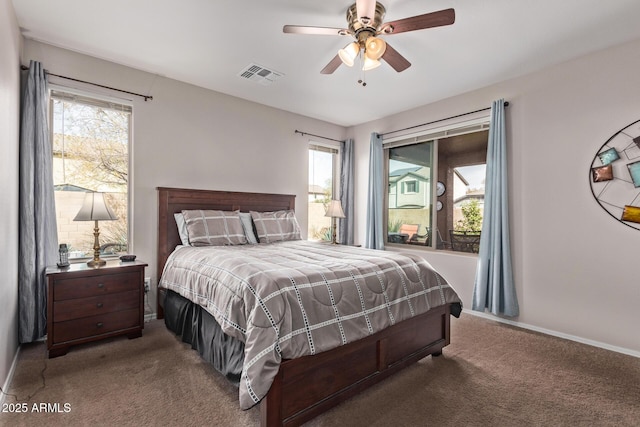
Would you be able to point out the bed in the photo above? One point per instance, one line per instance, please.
(321, 373)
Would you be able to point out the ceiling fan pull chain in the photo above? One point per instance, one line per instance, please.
(362, 81)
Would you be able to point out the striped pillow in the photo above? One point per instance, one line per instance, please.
(276, 226)
(214, 228)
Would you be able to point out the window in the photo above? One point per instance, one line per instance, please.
(436, 188)
(90, 140)
(411, 187)
(410, 208)
(323, 162)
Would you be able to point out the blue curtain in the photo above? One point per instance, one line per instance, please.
(494, 288)
(38, 245)
(375, 200)
(346, 192)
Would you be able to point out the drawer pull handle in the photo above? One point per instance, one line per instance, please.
(101, 285)
(99, 325)
(99, 305)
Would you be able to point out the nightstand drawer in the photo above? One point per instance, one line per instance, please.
(89, 286)
(84, 307)
(95, 325)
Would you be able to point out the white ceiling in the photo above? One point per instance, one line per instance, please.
(208, 42)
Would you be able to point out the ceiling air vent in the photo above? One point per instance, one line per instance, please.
(259, 74)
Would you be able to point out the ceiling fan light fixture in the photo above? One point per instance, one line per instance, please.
(374, 48)
(370, 64)
(366, 21)
(349, 53)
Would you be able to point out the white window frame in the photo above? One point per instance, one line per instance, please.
(52, 87)
(335, 149)
(406, 186)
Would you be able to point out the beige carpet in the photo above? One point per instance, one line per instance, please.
(490, 375)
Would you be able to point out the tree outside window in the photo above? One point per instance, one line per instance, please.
(471, 217)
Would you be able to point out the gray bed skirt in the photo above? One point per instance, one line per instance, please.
(198, 328)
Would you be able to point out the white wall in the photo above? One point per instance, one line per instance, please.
(189, 137)
(575, 267)
(10, 44)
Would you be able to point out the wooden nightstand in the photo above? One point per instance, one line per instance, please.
(88, 304)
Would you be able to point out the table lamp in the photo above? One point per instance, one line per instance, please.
(95, 209)
(334, 211)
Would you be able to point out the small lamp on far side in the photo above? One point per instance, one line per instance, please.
(334, 211)
(95, 209)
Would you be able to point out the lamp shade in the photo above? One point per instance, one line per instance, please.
(349, 53)
(370, 64)
(375, 47)
(94, 208)
(335, 209)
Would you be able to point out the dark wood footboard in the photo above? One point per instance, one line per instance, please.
(310, 385)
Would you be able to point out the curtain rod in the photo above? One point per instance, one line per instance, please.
(146, 97)
(317, 136)
(506, 104)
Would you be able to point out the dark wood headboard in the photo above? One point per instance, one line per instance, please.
(173, 200)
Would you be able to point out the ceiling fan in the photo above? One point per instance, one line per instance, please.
(365, 19)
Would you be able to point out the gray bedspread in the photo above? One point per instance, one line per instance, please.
(290, 299)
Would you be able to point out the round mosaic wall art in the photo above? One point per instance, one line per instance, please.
(615, 175)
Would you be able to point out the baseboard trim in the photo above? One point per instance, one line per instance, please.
(152, 316)
(9, 379)
(569, 337)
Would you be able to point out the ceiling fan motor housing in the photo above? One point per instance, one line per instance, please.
(363, 30)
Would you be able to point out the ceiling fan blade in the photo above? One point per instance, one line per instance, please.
(323, 31)
(393, 58)
(332, 65)
(366, 10)
(428, 20)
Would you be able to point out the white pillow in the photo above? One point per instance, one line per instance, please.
(247, 225)
(182, 228)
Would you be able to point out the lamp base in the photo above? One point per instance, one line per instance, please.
(96, 262)
(333, 232)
